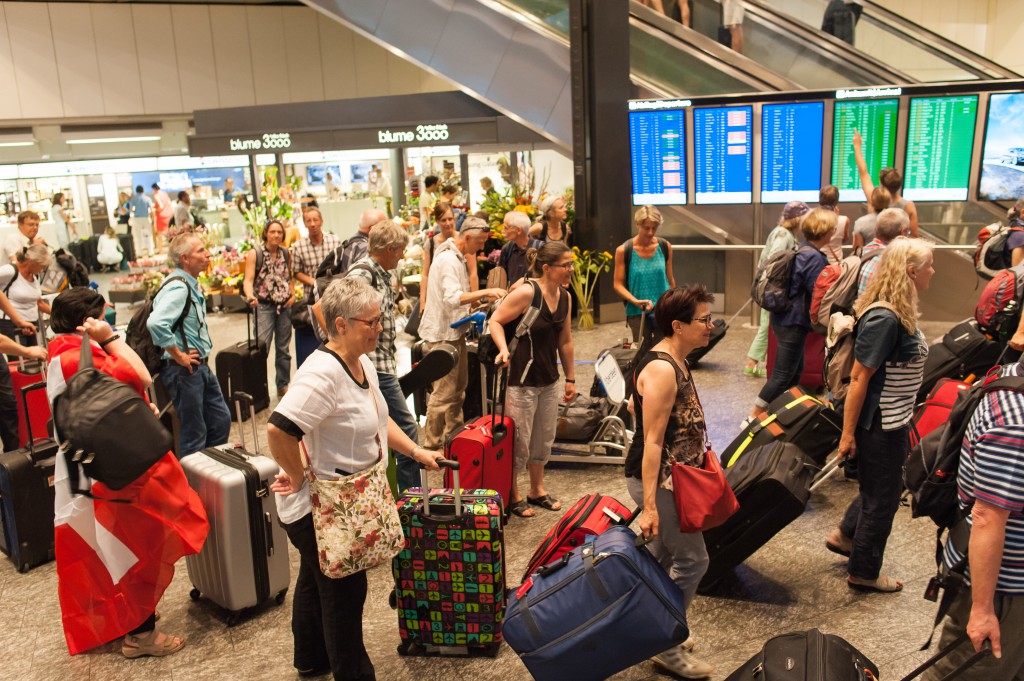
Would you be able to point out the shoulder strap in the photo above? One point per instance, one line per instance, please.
(665, 247)
(179, 324)
(287, 257)
(259, 259)
(627, 254)
(13, 279)
(365, 267)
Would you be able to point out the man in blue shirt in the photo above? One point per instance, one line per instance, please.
(141, 224)
(194, 390)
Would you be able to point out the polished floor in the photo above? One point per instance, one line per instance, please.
(793, 583)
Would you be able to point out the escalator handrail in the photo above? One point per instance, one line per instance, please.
(935, 42)
(827, 44)
(708, 50)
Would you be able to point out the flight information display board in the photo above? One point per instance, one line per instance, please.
(723, 157)
(875, 120)
(1002, 168)
(940, 137)
(791, 144)
(657, 141)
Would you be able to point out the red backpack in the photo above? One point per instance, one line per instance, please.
(835, 289)
(998, 309)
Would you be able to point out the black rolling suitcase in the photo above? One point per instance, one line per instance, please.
(793, 417)
(717, 334)
(26, 499)
(242, 367)
(807, 656)
(964, 350)
(772, 484)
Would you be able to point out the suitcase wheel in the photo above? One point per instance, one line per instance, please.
(279, 598)
(194, 594)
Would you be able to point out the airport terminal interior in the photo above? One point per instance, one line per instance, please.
(242, 110)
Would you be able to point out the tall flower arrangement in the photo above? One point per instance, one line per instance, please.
(586, 267)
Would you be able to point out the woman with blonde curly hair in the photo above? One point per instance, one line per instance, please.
(889, 357)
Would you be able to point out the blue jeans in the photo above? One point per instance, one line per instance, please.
(275, 323)
(407, 471)
(202, 411)
(306, 344)
(789, 362)
(868, 520)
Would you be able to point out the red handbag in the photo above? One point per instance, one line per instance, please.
(703, 496)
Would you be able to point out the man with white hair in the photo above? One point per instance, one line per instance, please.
(892, 222)
(178, 325)
(516, 229)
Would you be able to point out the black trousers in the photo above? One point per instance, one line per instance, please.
(327, 614)
(8, 409)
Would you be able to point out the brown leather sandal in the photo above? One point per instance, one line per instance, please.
(141, 646)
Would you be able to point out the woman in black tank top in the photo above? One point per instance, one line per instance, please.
(670, 428)
(533, 393)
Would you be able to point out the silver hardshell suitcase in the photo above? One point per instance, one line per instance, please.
(245, 559)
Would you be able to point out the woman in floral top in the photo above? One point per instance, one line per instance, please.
(670, 429)
(268, 288)
(336, 410)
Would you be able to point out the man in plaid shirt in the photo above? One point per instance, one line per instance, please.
(307, 254)
(386, 247)
(892, 222)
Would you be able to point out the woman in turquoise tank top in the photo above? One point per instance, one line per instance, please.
(643, 271)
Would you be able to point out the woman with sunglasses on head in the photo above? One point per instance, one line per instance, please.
(791, 327)
(268, 288)
(670, 429)
(532, 400)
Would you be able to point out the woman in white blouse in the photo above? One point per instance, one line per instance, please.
(335, 407)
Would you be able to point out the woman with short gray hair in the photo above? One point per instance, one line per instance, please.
(19, 282)
(551, 225)
(334, 407)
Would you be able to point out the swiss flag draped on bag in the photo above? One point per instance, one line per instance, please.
(114, 560)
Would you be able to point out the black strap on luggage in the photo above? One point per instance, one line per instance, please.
(986, 650)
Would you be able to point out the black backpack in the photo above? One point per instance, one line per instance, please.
(106, 427)
(931, 469)
(140, 339)
(78, 274)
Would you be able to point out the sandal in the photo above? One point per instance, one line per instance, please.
(547, 501)
(137, 646)
(756, 372)
(839, 543)
(521, 509)
(884, 584)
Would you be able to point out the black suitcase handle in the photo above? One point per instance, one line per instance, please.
(986, 650)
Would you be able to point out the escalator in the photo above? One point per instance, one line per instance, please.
(910, 47)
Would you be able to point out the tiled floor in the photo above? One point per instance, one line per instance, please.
(792, 583)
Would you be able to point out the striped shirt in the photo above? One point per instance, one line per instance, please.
(898, 358)
(307, 256)
(992, 470)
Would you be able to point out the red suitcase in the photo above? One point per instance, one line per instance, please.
(590, 516)
(814, 359)
(23, 374)
(483, 448)
(934, 411)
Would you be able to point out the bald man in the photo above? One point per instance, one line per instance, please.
(356, 247)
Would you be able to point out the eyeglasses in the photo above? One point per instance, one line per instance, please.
(564, 265)
(372, 323)
(706, 320)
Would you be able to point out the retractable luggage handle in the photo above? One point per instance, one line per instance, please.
(498, 429)
(456, 492)
(238, 397)
(25, 390)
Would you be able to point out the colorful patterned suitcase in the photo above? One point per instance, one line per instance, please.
(450, 577)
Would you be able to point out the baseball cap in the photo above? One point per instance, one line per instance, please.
(795, 209)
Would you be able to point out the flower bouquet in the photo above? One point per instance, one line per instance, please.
(586, 266)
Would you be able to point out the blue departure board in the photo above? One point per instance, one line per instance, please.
(791, 144)
(657, 141)
(723, 158)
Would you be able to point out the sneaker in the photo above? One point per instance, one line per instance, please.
(682, 664)
(757, 372)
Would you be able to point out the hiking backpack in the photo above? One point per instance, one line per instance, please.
(931, 469)
(770, 289)
(835, 289)
(998, 309)
(839, 346)
(988, 254)
(77, 273)
(140, 339)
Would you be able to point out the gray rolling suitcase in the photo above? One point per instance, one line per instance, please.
(245, 559)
